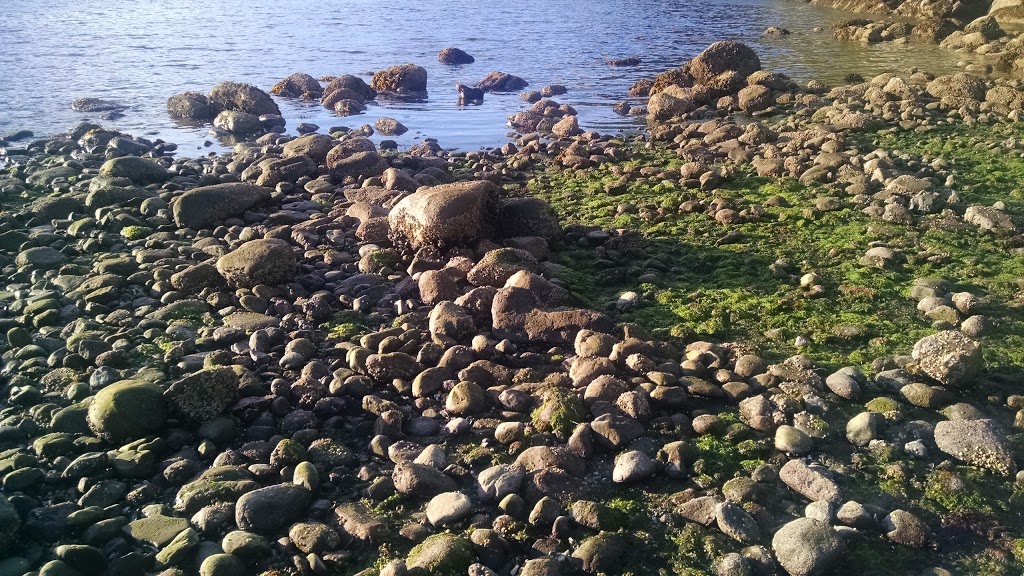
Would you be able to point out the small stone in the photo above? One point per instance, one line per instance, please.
(420, 480)
(314, 537)
(807, 547)
(792, 441)
(448, 507)
(977, 442)
(499, 481)
(904, 528)
(633, 466)
(156, 530)
(267, 509)
(245, 545)
(864, 427)
(809, 482)
(466, 398)
(442, 555)
(222, 565)
(736, 523)
(601, 553)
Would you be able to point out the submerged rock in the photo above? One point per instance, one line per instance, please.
(95, 105)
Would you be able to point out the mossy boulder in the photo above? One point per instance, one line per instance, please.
(205, 206)
(264, 261)
(560, 412)
(441, 555)
(602, 553)
(203, 395)
(139, 170)
(127, 410)
(156, 530)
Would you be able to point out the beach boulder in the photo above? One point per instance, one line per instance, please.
(722, 57)
(204, 206)
(264, 261)
(448, 215)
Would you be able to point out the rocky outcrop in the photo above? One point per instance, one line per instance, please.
(723, 57)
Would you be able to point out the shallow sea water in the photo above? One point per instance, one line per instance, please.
(142, 52)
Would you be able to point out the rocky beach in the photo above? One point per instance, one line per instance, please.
(777, 331)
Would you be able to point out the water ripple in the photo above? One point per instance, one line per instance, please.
(55, 53)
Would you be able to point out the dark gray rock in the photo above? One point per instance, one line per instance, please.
(454, 56)
(267, 509)
(243, 98)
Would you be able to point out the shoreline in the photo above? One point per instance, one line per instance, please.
(792, 342)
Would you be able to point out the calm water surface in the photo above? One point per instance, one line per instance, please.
(139, 53)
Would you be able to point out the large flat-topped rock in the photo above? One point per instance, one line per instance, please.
(205, 206)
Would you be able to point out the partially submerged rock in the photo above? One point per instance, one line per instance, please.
(242, 98)
(298, 85)
(455, 56)
(407, 80)
(501, 82)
